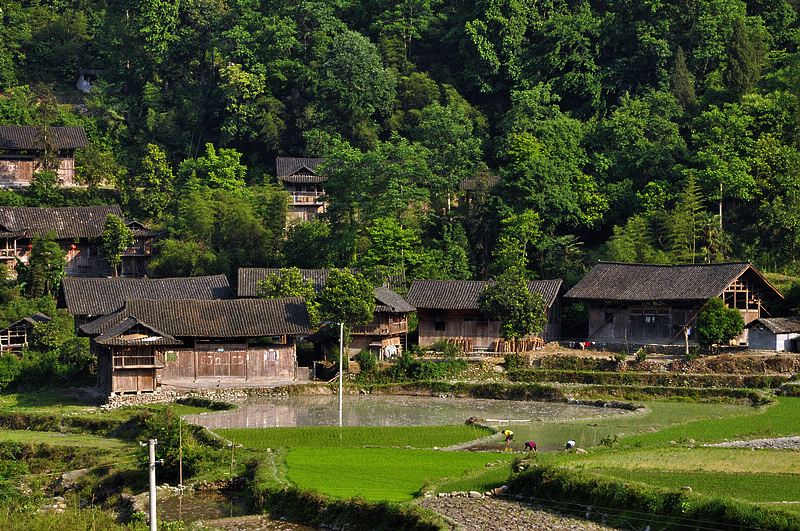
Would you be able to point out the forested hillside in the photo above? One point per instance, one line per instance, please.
(657, 130)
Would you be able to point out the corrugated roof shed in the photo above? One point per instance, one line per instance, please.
(101, 296)
(463, 294)
(299, 170)
(212, 318)
(30, 137)
(67, 222)
(625, 282)
(777, 325)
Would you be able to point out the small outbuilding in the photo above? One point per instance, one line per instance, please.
(16, 335)
(775, 333)
(22, 147)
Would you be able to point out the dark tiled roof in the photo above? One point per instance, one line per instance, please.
(115, 335)
(391, 302)
(220, 318)
(29, 138)
(249, 277)
(463, 294)
(622, 282)
(34, 319)
(299, 170)
(101, 296)
(475, 183)
(777, 325)
(67, 222)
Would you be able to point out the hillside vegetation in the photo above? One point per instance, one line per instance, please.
(657, 132)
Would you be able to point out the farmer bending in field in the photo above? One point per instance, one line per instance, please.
(530, 446)
(509, 436)
(570, 445)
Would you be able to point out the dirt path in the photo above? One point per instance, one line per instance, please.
(495, 514)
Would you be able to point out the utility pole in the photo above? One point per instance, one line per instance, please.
(152, 447)
(341, 368)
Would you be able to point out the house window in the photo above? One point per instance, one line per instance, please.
(438, 326)
(608, 317)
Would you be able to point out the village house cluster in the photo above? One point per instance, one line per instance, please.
(149, 332)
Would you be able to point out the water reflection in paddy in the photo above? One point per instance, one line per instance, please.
(360, 410)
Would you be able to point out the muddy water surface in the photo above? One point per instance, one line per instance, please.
(302, 411)
(218, 511)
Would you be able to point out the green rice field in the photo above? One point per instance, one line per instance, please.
(378, 474)
(747, 486)
(354, 436)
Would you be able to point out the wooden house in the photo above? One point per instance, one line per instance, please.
(300, 178)
(88, 298)
(448, 309)
(16, 335)
(384, 335)
(148, 343)
(659, 303)
(774, 333)
(21, 149)
(78, 231)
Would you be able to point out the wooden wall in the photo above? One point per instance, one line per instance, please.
(228, 361)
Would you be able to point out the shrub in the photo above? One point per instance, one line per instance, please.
(641, 354)
(367, 360)
(447, 348)
(619, 356)
(514, 361)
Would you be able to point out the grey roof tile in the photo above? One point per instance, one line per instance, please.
(29, 137)
(463, 294)
(66, 222)
(299, 170)
(101, 296)
(777, 325)
(221, 318)
(626, 282)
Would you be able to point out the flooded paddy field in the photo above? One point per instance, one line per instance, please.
(526, 418)
(219, 511)
(307, 411)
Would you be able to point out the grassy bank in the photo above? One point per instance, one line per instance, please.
(634, 505)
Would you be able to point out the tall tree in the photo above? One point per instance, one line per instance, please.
(46, 261)
(742, 68)
(510, 302)
(288, 282)
(116, 238)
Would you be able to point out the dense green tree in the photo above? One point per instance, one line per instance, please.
(45, 267)
(346, 298)
(154, 183)
(288, 283)
(355, 87)
(509, 301)
(718, 324)
(742, 66)
(116, 238)
(682, 84)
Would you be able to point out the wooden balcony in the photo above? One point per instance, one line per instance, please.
(136, 362)
(382, 329)
(306, 198)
